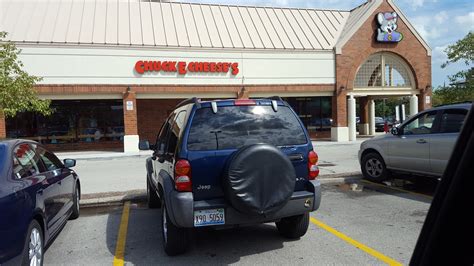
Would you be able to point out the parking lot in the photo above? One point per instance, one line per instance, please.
(367, 224)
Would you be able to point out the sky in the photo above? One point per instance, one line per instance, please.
(440, 23)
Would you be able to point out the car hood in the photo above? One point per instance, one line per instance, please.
(380, 137)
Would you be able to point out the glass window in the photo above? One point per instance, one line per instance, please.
(73, 121)
(235, 126)
(314, 112)
(175, 131)
(164, 133)
(420, 125)
(452, 120)
(396, 72)
(163, 130)
(50, 161)
(393, 73)
(25, 161)
(370, 73)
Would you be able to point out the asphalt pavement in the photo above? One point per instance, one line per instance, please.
(363, 224)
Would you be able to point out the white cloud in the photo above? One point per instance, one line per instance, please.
(431, 27)
(438, 55)
(441, 17)
(466, 20)
(415, 4)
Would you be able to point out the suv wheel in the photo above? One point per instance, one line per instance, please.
(33, 250)
(152, 199)
(294, 226)
(175, 239)
(373, 167)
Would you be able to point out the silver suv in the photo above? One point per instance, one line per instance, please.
(422, 145)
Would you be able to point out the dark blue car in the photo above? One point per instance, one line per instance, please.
(229, 163)
(38, 194)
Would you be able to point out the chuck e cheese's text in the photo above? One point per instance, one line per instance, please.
(184, 67)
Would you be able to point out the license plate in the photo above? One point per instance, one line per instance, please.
(209, 217)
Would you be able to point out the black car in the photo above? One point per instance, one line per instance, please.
(38, 193)
(380, 124)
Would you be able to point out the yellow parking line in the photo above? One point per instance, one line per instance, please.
(398, 189)
(356, 244)
(122, 236)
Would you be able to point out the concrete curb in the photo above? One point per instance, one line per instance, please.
(112, 198)
(337, 175)
(334, 180)
(117, 198)
(86, 157)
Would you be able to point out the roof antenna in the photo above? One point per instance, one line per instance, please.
(214, 107)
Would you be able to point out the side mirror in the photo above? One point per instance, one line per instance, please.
(69, 163)
(144, 145)
(395, 131)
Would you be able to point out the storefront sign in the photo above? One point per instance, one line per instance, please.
(184, 67)
(387, 26)
(129, 105)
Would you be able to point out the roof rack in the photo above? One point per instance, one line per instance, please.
(277, 98)
(189, 101)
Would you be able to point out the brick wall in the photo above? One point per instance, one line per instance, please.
(151, 115)
(194, 89)
(362, 44)
(130, 116)
(3, 131)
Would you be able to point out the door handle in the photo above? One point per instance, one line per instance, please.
(40, 192)
(59, 182)
(421, 141)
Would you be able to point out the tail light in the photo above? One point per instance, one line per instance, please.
(182, 176)
(244, 102)
(313, 165)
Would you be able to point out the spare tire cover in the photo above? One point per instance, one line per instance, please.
(259, 179)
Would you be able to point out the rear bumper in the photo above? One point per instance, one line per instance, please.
(181, 207)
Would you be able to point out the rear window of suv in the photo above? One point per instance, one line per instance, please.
(235, 126)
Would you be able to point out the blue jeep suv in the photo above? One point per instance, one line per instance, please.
(229, 163)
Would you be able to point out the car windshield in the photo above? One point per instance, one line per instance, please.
(235, 126)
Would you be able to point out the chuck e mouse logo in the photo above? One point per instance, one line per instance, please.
(387, 27)
(182, 67)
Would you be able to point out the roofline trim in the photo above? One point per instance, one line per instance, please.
(164, 47)
(410, 26)
(257, 6)
(341, 42)
(346, 38)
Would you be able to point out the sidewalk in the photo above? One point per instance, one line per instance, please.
(111, 177)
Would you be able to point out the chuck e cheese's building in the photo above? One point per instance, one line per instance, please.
(115, 69)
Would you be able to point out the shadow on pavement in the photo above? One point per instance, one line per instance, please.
(209, 246)
(420, 190)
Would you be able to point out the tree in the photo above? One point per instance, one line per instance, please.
(17, 93)
(462, 83)
(386, 108)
